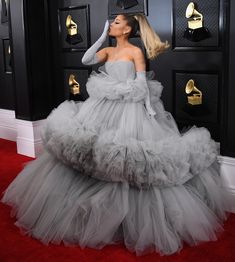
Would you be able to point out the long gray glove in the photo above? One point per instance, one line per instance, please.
(90, 57)
(141, 76)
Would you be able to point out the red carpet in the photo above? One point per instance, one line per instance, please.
(16, 247)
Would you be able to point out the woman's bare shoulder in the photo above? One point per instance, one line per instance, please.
(137, 50)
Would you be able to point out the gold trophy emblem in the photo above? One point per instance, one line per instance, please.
(195, 31)
(71, 26)
(73, 37)
(74, 85)
(194, 94)
(195, 19)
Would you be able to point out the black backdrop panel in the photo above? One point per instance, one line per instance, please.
(80, 15)
(4, 11)
(209, 9)
(81, 75)
(115, 9)
(208, 84)
(7, 95)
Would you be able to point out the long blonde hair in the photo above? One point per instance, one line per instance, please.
(152, 42)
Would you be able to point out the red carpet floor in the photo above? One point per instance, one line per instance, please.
(16, 247)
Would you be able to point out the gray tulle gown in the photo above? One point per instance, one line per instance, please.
(111, 174)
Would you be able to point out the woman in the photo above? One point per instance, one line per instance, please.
(115, 167)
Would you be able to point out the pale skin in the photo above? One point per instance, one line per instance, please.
(124, 50)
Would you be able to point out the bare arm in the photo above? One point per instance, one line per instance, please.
(139, 60)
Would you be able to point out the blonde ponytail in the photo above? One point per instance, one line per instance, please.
(152, 42)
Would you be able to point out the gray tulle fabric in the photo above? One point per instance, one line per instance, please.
(112, 174)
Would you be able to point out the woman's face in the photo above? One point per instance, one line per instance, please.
(119, 27)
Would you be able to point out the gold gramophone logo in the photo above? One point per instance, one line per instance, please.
(74, 85)
(194, 94)
(73, 36)
(195, 19)
(195, 31)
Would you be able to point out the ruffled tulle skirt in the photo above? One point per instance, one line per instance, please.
(111, 174)
(55, 203)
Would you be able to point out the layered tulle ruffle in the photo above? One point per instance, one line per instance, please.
(113, 154)
(55, 203)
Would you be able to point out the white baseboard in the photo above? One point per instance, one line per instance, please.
(8, 129)
(25, 133)
(227, 170)
(28, 140)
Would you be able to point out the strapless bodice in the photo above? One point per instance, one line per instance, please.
(116, 80)
(120, 69)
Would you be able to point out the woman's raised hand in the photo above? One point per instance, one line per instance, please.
(90, 57)
(105, 32)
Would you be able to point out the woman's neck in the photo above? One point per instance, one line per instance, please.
(122, 42)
